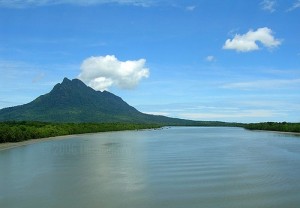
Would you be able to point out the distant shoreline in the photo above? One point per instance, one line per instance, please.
(280, 132)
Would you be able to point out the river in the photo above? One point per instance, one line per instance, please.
(177, 167)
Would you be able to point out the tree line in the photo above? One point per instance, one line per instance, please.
(25, 130)
(274, 126)
(16, 131)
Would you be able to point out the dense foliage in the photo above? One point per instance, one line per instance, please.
(274, 126)
(13, 131)
(21, 131)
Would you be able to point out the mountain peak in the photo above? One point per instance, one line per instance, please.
(74, 84)
(74, 101)
(65, 80)
(78, 82)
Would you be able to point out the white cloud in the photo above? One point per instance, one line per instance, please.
(268, 5)
(296, 5)
(190, 8)
(259, 113)
(264, 84)
(103, 72)
(158, 113)
(210, 58)
(248, 42)
(37, 3)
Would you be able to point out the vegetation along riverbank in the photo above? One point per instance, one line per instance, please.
(25, 130)
(274, 126)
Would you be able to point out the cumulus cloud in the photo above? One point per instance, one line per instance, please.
(268, 5)
(103, 72)
(248, 42)
(210, 58)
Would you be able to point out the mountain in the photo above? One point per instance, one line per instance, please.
(73, 101)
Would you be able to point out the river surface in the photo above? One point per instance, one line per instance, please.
(178, 167)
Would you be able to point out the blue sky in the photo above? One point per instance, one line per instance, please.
(231, 60)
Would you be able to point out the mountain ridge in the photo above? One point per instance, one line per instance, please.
(71, 101)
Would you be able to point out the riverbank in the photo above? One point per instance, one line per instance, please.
(274, 126)
(11, 132)
(10, 145)
(279, 132)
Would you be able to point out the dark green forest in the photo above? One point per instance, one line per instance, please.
(25, 130)
(16, 131)
(274, 126)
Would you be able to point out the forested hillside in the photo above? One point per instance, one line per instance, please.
(73, 102)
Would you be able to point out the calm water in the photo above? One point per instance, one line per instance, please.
(174, 167)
